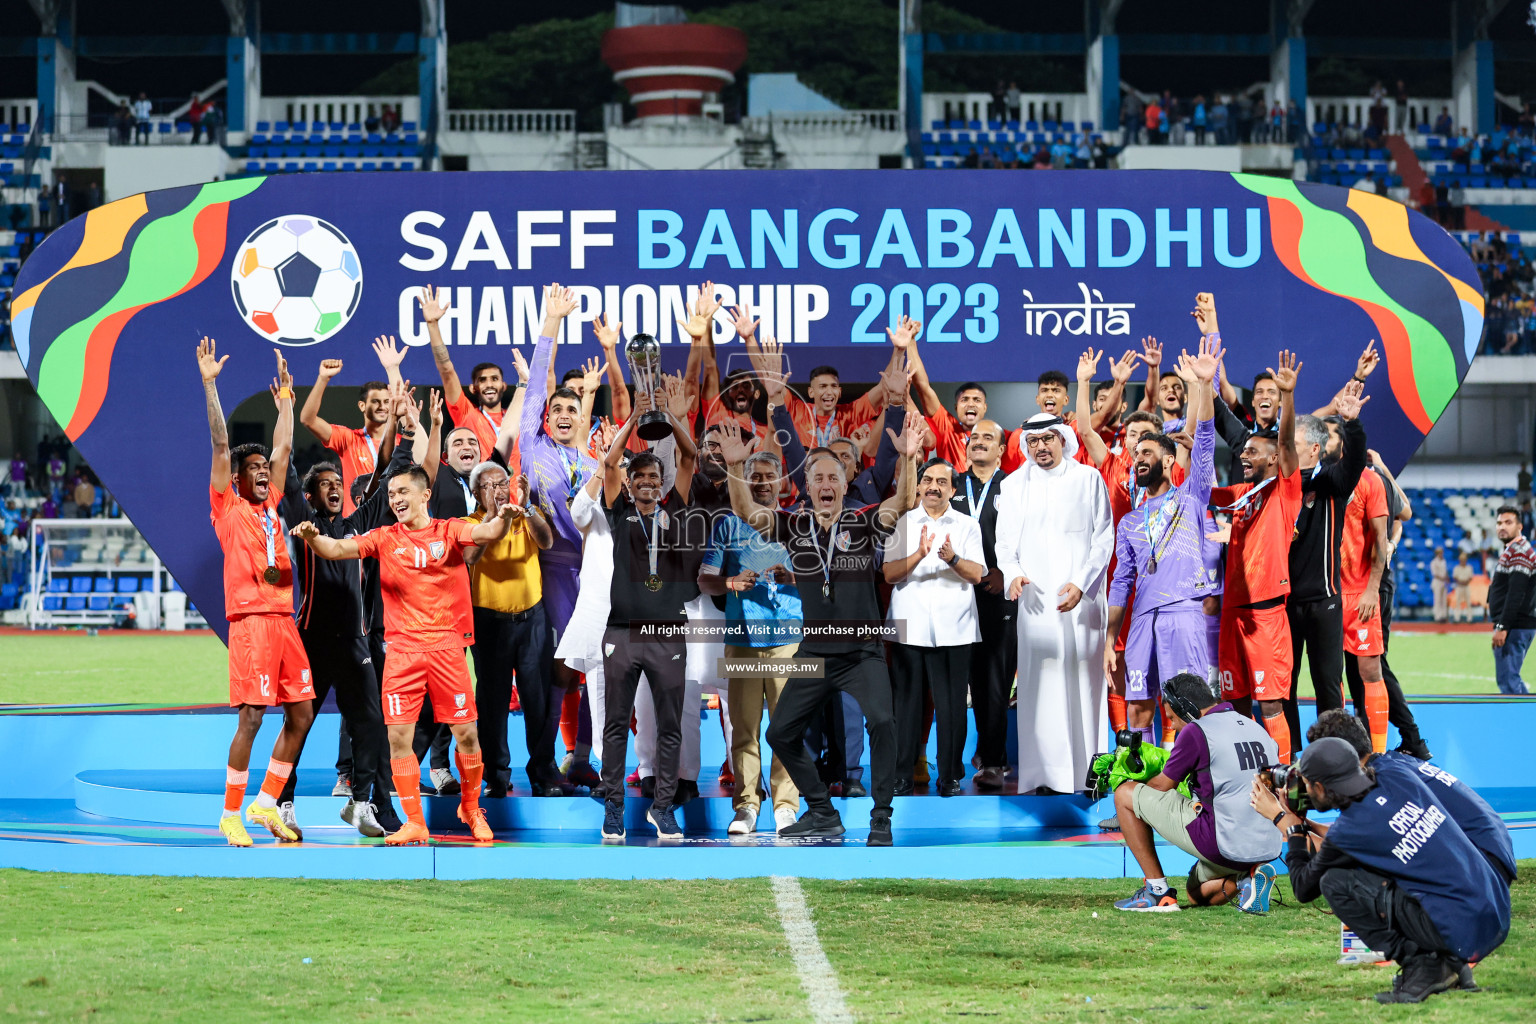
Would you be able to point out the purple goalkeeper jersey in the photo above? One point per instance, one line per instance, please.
(555, 471)
(1160, 548)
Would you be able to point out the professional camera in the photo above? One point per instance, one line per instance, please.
(1286, 783)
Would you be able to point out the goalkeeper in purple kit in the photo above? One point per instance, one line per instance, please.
(1160, 554)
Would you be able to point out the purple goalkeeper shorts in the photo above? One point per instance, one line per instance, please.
(1164, 642)
(561, 582)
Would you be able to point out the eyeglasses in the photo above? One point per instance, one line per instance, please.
(1039, 440)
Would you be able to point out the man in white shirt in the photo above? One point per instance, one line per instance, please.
(142, 109)
(934, 558)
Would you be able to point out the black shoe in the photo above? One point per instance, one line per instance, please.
(613, 820)
(497, 792)
(815, 823)
(1464, 978)
(664, 822)
(687, 789)
(854, 787)
(583, 774)
(1422, 976)
(949, 789)
(879, 829)
(1415, 748)
(648, 787)
(905, 787)
(553, 785)
(385, 815)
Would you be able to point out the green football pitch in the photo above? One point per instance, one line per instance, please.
(165, 668)
(92, 947)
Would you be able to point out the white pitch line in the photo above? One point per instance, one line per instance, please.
(822, 992)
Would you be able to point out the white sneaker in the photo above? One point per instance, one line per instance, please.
(365, 822)
(444, 782)
(744, 822)
(783, 817)
(285, 811)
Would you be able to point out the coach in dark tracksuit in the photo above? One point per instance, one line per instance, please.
(333, 626)
(1315, 608)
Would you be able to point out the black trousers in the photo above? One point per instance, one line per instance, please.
(1398, 711)
(664, 663)
(1319, 625)
(993, 663)
(861, 673)
(1390, 921)
(344, 737)
(946, 671)
(505, 644)
(835, 738)
(344, 665)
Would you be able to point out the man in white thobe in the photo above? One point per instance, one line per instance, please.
(1054, 540)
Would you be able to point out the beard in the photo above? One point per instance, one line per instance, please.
(1149, 476)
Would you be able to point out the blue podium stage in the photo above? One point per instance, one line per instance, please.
(125, 790)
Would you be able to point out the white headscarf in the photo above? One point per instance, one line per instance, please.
(1043, 421)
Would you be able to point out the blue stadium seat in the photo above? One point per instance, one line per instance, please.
(281, 127)
(80, 585)
(127, 584)
(102, 585)
(329, 165)
(369, 165)
(408, 126)
(311, 165)
(53, 603)
(387, 165)
(252, 167)
(100, 603)
(74, 604)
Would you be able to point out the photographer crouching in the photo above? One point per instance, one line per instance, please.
(1218, 752)
(1395, 866)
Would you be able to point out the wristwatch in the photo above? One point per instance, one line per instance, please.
(951, 562)
(1298, 831)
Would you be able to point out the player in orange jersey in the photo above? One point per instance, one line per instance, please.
(1255, 648)
(267, 664)
(358, 449)
(1362, 560)
(426, 606)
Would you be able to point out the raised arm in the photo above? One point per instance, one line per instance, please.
(736, 450)
(613, 473)
(904, 340)
(495, 528)
(1093, 444)
(282, 433)
(687, 453)
(1119, 372)
(1205, 318)
(208, 365)
(434, 304)
(1364, 366)
(329, 548)
(591, 380)
(432, 459)
(608, 337)
(508, 433)
(1405, 512)
(538, 527)
(310, 414)
(909, 448)
(700, 326)
(1152, 355)
(1285, 380)
(558, 304)
(390, 355)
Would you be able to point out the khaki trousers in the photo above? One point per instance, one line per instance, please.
(748, 695)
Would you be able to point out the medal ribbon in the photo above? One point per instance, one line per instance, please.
(1157, 526)
(652, 536)
(971, 500)
(1245, 500)
(269, 526)
(826, 561)
(824, 435)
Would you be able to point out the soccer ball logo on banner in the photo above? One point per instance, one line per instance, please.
(296, 280)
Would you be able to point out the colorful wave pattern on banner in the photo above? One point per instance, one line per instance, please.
(1360, 246)
(131, 255)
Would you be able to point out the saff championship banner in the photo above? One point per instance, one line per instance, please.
(1011, 274)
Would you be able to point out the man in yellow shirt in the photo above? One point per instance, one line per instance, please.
(511, 633)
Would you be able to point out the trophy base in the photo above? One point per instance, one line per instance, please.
(653, 426)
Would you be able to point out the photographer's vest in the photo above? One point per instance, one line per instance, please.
(1401, 830)
(1238, 748)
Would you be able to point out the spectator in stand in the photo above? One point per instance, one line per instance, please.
(142, 109)
(17, 476)
(213, 121)
(1131, 112)
(56, 470)
(999, 108)
(1197, 119)
(195, 118)
(84, 493)
(1512, 602)
(1443, 124)
(1218, 118)
(1439, 577)
(1296, 127)
(1154, 122)
(389, 119)
(1016, 102)
(1400, 109)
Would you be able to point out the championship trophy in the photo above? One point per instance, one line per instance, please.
(644, 357)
